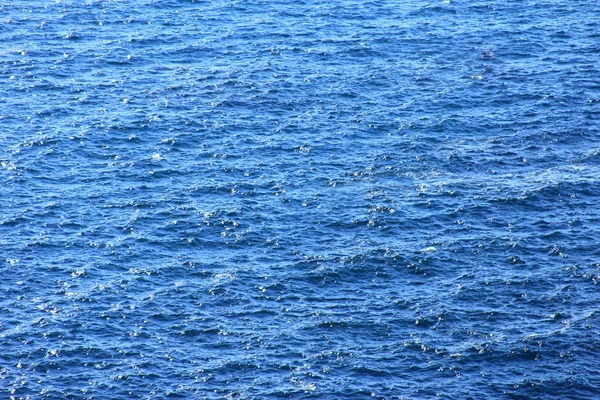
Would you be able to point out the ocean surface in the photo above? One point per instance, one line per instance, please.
(300, 199)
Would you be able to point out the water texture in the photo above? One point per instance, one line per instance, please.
(300, 199)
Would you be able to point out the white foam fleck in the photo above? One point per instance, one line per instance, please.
(429, 249)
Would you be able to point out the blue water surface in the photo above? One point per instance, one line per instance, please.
(300, 199)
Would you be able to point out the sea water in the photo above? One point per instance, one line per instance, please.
(300, 199)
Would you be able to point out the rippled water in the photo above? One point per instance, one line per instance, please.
(307, 199)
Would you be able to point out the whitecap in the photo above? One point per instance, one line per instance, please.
(429, 249)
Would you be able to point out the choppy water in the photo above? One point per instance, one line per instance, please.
(306, 199)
